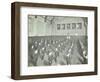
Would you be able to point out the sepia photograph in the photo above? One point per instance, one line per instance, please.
(57, 40)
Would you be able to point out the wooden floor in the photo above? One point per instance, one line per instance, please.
(57, 50)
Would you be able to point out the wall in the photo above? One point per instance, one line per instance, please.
(68, 20)
(37, 26)
(5, 41)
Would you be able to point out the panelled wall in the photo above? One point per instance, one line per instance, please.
(69, 26)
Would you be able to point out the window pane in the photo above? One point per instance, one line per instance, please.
(73, 25)
(79, 25)
(68, 26)
(63, 26)
(58, 26)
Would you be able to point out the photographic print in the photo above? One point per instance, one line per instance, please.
(53, 40)
(57, 40)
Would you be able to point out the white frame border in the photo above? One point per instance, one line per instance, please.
(24, 70)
